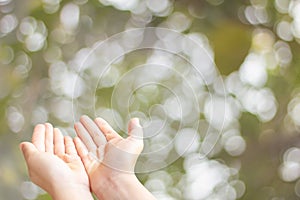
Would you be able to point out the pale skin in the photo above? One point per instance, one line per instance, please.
(99, 160)
(54, 165)
(111, 169)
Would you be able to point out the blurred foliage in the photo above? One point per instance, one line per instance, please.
(255, 45)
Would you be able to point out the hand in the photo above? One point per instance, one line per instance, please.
(107, 146)
(54, 165)
(110, 159)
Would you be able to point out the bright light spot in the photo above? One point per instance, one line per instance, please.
(263, 41)
(294, 10)
(250, 15)
(253, 70)
(140, 10)
(160, 145)
(235, 145)
(297, 188)
(53, 54)
(283, 53)
(179, 22)
(294, 112)
(239, 186)
(201, 185)
(28, 26)
(64, 81)
(283, 30)
(39, 115)
(121, 4)
(289, 171)
(234, 84)
(193, 41)
(62, 109)
(157, 6)
(161, 60)
(4, 2)
(6, 54)
(162, 196)
(23, 59)
(156, 184)
(173, 108)
(132, 39)
(69, 16)
(226, 192)
(264, 106)
(215, 2)
(51, 6)
(210, 145)
(35, 42)
(154, 127)
(197, 48)
(29, 190)
(187, 141)
(114, 52)
(218, 112)
(21, 71)
(282, 6)
(8, 23)
(109, 78)
(296, 28)
(292, 155)
(261, 15)
(164, 175)
(15, 119)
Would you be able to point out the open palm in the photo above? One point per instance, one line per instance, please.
(53, 162)
(103, 151)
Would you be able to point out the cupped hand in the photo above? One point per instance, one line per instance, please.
(54, 165)
(103, 151)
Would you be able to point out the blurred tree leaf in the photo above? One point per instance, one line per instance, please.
(231, 42)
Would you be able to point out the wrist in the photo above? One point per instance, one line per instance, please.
(114, 185)
(72, 192)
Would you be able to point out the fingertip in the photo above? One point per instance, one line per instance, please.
(39, 126)
(56, 130)
(135, 129)
(76, 139)
(67, 137)
(84, 118)
(135, 121)
(47, 124)
(100, 120)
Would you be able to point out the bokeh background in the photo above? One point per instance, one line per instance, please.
(248, 147)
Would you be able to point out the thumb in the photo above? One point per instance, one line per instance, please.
(134, 129)
(27, 149)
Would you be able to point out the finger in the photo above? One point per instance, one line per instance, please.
(82, 152)
(106, 129)
(59, 146)
(134, 129)
(93, 130)
(49, 138)
(80, 147)
(69, 146)
(27, 149)
(85, 137)
(38, 137)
